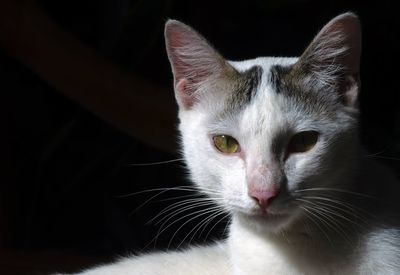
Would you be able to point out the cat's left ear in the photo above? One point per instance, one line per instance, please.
(333, 57)
(193, 60)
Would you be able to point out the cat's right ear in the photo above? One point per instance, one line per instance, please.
(333, 57)
(192, 59)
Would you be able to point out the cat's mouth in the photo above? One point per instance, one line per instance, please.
(266, 221)
(277, 213)
(263, 214)
(267, 215)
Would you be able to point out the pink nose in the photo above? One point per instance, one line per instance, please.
(263, 197)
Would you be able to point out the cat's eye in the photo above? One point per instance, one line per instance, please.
(303, 142)
(226, 144)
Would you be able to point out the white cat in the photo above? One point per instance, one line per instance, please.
(275, 142)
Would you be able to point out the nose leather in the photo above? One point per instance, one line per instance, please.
(263, 184)
(263, 197)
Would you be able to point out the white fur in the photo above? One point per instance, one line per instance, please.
(295, 246)
(307, 231)
(191, 261)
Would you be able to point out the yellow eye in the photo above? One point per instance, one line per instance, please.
(226, 144)
(303, 142)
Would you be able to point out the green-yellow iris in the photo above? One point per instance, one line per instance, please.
(303, 141)
(226, 144)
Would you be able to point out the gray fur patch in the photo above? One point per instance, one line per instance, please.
(245, 87)
(277, 77)
(290, 82)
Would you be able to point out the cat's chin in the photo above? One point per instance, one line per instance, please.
(271, 222)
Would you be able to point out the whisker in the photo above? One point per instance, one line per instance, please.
(227, 224)
(334, 190)
(196, 214)
(309, 215)
(344, 207)
(161, 229)
(386, 157)
(211, 229)
(203, 223)
(150, 199)
(192, 204)
(181, 197)
(173, 206)
(206, 222)
(175, 188)
(160, 192)
(156, 163)
(171, 215)
(212, 210)
(336, 225)
(377, 153)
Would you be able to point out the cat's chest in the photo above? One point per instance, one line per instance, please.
(257, 255)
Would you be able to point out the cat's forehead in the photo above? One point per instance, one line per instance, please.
(259, 104)
(257, 75)
(264, 74)
(265, 98)
(278, 87)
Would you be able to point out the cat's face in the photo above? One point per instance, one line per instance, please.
(257, 133)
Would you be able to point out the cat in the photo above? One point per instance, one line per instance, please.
(275, 142)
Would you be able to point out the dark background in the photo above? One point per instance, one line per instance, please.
(62, 199)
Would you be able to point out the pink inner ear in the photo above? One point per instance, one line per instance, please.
(333, 57)
(175, 41)
(351, 27)
(192, 60)
(348, 27)
(183, 95)
(190, 55)
(351, 88)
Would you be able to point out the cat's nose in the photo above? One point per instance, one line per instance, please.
(263, 197)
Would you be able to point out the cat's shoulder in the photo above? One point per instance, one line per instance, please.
(212, 259)
(380, 252)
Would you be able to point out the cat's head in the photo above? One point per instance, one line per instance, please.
(257, 133)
